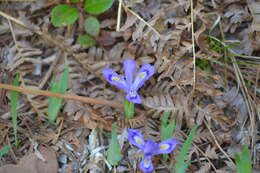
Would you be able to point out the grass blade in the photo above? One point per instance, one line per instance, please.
(64, 82)
(243, 161)
(55, 103)
(114, 153)
(181, 165)
(14, 101)
(167, 129)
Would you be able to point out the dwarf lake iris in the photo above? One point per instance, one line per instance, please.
(128, 83)
(150, 148)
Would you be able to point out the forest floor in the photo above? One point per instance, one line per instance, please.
(207, 61)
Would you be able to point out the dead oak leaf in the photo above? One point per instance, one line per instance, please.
(32, 164)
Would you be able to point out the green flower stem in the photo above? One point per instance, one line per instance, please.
(129, 109)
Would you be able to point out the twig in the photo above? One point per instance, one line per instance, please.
(119, 15)
(47, 37)
(146, 23)
(211, 164)
(64, 96)
(248, 100)
(49, 72)
(218, 145)
(193, 45)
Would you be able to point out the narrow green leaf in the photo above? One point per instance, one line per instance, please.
(4, 150)
(92, 26)
(129, 109)
(243, 161)
(55, 103)
(64, 82)
(114, 154)
(167, 129)
(14, 101)
(180, 166)
(86, 40)
(97, 6)
(63, 15)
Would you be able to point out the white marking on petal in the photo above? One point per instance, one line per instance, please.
(147, 163)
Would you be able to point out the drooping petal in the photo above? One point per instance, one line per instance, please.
(133, 97)
(167, 146)
(146, 165)
(129, 69)
(143, 74)
(113, 78)
(135, 138)
(150, 148)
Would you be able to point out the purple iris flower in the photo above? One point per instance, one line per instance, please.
(129, 84)
(150, 148)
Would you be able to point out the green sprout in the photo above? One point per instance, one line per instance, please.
(55, 103)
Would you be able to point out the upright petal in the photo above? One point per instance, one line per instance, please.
(133, 97)
(150, 148)
(143, 74)
(167, 146)
(113, 78)
(129, 69)
(135, 138)
(146, 165)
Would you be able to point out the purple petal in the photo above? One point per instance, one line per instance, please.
(146, 165)
(144, 74)
(133, 97)
(150, 148)
(129, 69)
(135, 138)
(167, 146)
(113, 78)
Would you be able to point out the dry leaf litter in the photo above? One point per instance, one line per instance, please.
(225, 100)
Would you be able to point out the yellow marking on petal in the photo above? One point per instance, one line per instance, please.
(164, 147)
(115, 79)
(141, 75)
(138, 140)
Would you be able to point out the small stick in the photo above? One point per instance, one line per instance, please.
(64, 96)
(119, 16)
(218, 145)
(142, 20)
(193, 45)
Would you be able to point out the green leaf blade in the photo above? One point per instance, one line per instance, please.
(181, 166)
(129, 109)
(55, 103)
(63, 15)
(64, 82)
(14, 102)
(243, 161)
(92, 26)
(167, 129)
(114, 153)
(97, 6)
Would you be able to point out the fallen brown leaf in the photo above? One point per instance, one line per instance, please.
(32, 164)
